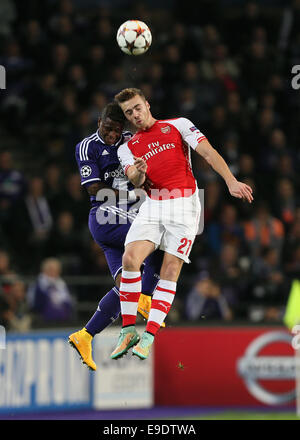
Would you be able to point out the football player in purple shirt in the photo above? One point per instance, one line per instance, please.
(110, 218)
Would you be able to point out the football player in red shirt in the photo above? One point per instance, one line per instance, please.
(169, 217)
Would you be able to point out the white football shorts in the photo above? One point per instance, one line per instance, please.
(170, 224)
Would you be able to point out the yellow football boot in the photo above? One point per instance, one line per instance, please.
(82, 342)
(144, 306)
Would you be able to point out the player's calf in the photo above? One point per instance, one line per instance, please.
(144, 306)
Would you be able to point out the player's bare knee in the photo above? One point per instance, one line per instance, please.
(129, 262)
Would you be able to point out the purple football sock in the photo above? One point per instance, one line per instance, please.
(107, 312)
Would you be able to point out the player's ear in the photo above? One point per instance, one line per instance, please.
(99, 122)
(148, 105)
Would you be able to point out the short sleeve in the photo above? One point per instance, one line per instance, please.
(125, 156)
(189, 132)
(87, 163)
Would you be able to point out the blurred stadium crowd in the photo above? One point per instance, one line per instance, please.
(226, 65)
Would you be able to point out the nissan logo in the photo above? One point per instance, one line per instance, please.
(252, 368)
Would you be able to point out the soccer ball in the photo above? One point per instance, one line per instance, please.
(134, 37)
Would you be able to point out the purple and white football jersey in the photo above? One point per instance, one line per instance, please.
(99, 162)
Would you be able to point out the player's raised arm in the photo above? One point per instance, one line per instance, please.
(236, 188)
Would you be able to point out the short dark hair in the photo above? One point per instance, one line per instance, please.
(113, 111)
(129, 93)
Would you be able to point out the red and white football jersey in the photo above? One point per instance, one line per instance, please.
(165, 146)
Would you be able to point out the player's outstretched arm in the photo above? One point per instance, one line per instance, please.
(236, 188)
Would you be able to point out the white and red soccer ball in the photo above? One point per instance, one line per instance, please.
(134, 37)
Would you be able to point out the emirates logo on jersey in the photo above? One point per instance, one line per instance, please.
(155, 148)
(166, 129)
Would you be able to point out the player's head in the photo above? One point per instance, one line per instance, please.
(111, 123)
(135, 107)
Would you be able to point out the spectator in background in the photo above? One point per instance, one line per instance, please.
(7, 274)
(237, 114)
(94, 261)
(224, 81)
(55, 149)
(104, 31)
(4, 310)
(246, 167)
(291, 250)
(14, 312)
(65, 242)
(183, 38)
(188, 106)
(265, 125)
(206, 300)
(49, 297)
(286, 168)
(115, 82)
(34, 41)
(289, 26)
(94, 64)
(66, 111)
(12, 187)
(43, 94)
(64, 32)
(31, 225)
(72, 198)
(53, 184)
(269, 285)
(203, 172)
(7, 16)
(226, 230)
(210, 39)
(292, 266)
(217, 128)
(231, 152)
(190, 76)
(212, 201)
(275, 147)
(98, 102)
(242, 26)
(59, 62)
(18, 66)
(154, 75)
(256, 67)
(220, 54)
(81, 128)
(232, 272)
(285, 202)
(245, 213)
(263, 230)
(172, 70)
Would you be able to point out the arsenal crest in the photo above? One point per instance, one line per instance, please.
(165, 129)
